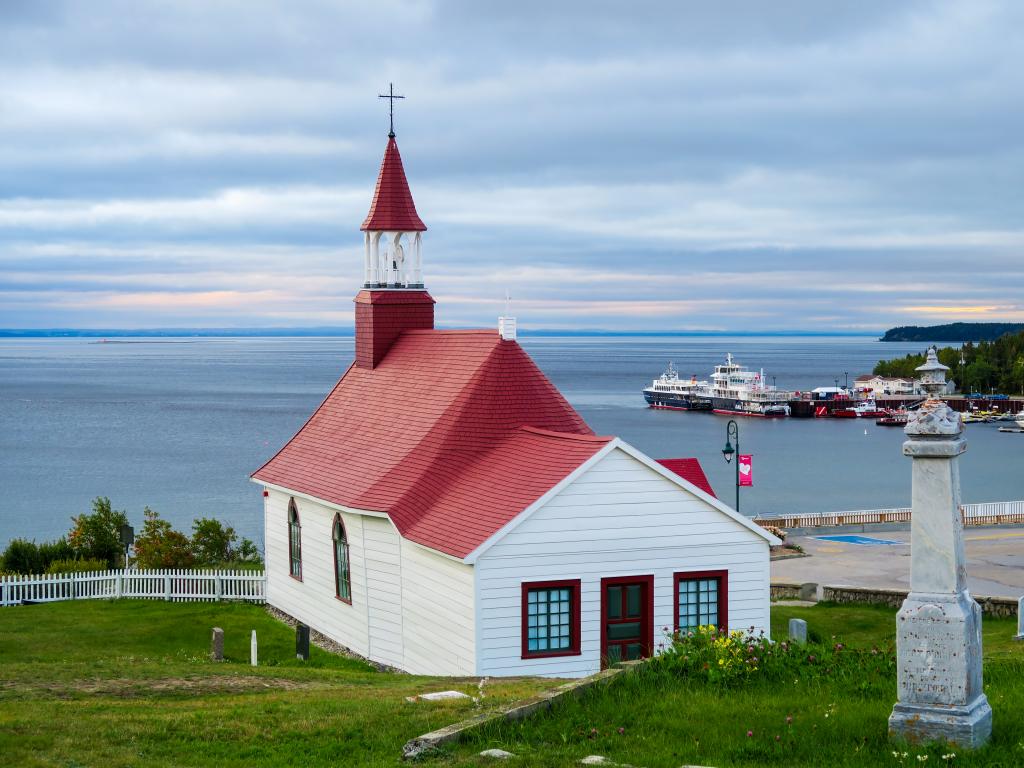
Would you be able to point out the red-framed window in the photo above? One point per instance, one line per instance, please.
(342, 566)
(294, 541)
(701, 598)
(551, 618)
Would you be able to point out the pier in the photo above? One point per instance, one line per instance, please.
(807, 409)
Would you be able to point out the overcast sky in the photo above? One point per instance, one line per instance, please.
(680, 165)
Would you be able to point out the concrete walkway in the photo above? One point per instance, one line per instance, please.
(995, 561)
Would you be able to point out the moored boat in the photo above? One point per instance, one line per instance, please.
(736, 391)
(862, 409)
(893, 419)
(670, 392)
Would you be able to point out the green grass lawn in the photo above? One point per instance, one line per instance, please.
(670, 721)
(128, 683)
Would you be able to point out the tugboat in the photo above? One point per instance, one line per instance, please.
(736, 391)
(672, 393)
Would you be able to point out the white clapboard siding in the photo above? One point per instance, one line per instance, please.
(383, 569)
(313, 600)
(178, 585)
(438, 622)
(620, 518)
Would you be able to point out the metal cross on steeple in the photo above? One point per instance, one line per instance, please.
(391, 107)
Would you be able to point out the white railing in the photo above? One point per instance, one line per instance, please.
(987, 513)
(177, 585)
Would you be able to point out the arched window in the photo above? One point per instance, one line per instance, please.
(294, 541)
(342, 569)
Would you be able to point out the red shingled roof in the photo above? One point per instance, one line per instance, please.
(689, 469)
(393, 209)
(453, 434)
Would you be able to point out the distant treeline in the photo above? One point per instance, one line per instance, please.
(94, 544)
(960, 332)
(988, 365)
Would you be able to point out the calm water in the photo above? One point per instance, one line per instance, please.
(180, 424)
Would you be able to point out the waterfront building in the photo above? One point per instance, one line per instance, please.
(880, 386)
(446, 511)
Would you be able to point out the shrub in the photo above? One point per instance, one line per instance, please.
(160, 546)
(98, 536)
(23, 556)
(77, 566)
(730, 658)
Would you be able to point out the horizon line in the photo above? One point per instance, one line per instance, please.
(348, 331)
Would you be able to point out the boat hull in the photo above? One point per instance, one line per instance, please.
(675, 402)
(728, 406)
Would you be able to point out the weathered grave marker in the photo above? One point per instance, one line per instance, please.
(809, 591)
(938, 629)
(302, 642)
(217, 644)
(798, 631)
(252, 649)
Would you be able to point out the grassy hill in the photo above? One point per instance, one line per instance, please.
(127, 683)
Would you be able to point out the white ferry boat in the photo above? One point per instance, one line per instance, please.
(735, 390)
(676, 394)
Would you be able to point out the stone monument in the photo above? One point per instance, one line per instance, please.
(798, 631)
(217, 644)
(938, 629)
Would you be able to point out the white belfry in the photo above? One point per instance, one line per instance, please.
(938, 628)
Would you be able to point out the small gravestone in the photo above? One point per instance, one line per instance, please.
(302, 642)
(1020, 619)
(809, 591)
(252, 649)
(217, 644)
(496, 754)
(798, 631)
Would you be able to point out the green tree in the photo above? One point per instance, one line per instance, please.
(159, 545)
(98, 536)
(212, 541)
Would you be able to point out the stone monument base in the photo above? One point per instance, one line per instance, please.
(967, 727)
(938, 655)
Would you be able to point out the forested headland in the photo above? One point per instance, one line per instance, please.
(988, 365)
(958, 332)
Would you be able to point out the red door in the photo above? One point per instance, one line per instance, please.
(627, 618)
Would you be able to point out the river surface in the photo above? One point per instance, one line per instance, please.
(179, 424)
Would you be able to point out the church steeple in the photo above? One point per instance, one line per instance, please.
(393, 299)
(392, 226)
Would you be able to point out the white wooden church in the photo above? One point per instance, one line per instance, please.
(445, 511)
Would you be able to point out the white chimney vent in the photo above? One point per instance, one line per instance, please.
(507, 328)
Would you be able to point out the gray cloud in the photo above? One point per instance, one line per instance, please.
(678, 165)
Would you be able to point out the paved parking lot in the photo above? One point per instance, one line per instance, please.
(995, 561)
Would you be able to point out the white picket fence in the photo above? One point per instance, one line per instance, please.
(986, 513)
(177, 585)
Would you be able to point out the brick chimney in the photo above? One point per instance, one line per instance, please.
(382, 315)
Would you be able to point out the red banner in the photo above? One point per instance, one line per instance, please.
(746, 471)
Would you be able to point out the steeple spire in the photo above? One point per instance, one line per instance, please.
(391, 106)
(392, 227)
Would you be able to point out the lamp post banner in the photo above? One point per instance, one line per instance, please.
(746, 471)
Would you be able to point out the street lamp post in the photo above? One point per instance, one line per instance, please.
(732, 433)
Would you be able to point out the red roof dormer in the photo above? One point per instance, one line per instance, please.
(392, 209)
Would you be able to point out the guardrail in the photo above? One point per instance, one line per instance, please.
(986, 513)
(176, 585)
